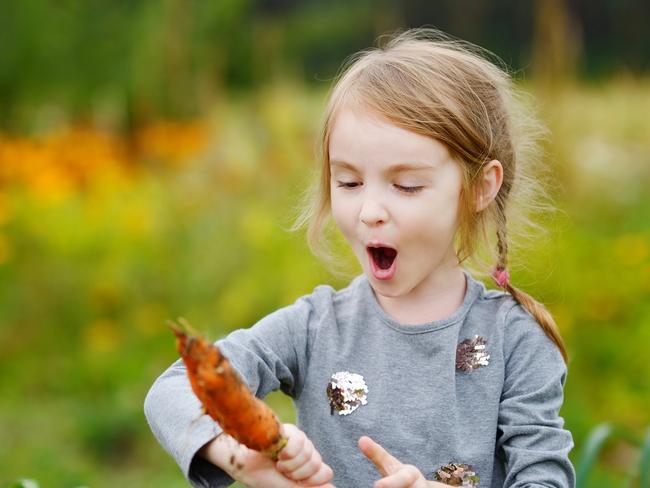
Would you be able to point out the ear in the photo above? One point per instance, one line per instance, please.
(488, 184)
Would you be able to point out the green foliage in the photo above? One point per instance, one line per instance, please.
(644, 463)
(23, 483)
(124, 62)
(629, 473)
(590, 452)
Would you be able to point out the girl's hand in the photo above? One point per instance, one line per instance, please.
(395, 474)
(298, 465)
(300, 461)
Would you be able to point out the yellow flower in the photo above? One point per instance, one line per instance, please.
(5, 249)
(5, 213)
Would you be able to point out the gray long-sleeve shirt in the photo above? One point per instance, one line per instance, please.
(502, 418)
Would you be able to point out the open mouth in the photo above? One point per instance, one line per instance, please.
(383, 257)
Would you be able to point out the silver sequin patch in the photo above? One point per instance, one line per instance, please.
(346, 392)
(471, 354)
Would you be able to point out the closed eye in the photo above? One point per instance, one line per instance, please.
(405, 189)
(347, 185)
(410, 189)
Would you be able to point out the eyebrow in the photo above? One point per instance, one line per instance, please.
(393, 169)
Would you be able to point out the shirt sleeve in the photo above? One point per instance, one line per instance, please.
(530, 436)
(269, 356)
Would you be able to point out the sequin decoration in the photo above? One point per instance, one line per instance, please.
(455, 474)
(346, 391)
(471, 354)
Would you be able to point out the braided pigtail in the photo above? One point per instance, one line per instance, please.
(536, 309)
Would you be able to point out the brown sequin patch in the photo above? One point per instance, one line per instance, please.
(455, 474)
(471, 354)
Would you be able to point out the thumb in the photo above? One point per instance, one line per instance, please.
(385, 463)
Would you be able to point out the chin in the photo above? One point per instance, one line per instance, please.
(389, 294)
(388, 288)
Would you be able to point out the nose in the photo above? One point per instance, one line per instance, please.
(373, 210)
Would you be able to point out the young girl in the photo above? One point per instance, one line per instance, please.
(414, 375)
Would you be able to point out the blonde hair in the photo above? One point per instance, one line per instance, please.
(424, 81)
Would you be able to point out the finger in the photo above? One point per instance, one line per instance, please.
(297, 459)
(296, 440)
(323, 475)
(402, 478)
(307, 469)
(385, 463)
(277, 480)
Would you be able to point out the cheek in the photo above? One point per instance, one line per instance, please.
(433, 219)
(341, 214)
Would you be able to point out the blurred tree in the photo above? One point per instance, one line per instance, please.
(616, 35)
(119, 63)
(556, 44)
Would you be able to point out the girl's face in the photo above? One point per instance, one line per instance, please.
(378, 199)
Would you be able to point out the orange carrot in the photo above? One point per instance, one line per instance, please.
(225, 396)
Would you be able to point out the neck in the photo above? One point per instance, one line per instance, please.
(435, 298)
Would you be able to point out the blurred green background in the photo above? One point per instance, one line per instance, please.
(151, 156)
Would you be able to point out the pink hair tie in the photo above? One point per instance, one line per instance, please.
(501, 277)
